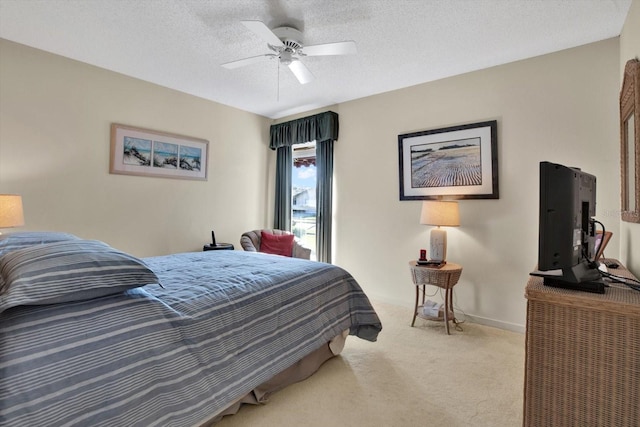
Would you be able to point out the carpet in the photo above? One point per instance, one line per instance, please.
(416, 376)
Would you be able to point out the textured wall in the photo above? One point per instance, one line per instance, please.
(630, 48)
(560, 107)
(55, 117)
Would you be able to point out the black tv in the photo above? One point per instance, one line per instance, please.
(566, 235)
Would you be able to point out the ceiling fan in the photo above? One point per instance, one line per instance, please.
(286, 44)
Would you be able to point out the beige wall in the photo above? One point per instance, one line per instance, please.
(560, 107)
(630, 48)
(55, 116)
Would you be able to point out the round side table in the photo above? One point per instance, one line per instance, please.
(444, 277)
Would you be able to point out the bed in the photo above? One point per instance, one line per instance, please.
(90, 335)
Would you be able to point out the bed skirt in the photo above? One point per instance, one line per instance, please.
(299, 371)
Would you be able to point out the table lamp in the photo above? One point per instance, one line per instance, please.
(440, 213)
(11, 214)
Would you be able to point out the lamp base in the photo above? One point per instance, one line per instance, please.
(438, 244)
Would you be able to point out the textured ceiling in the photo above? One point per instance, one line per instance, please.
(180, 44)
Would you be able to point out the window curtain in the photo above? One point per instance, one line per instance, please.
(322, 128)
(282, 216)
(324, 198)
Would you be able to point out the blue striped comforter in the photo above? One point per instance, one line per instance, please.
(226, 322)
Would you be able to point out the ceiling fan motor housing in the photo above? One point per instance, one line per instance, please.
(291, 38)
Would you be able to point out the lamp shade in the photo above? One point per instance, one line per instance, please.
(11, 214)
(440, 213)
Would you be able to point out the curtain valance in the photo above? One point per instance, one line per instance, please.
(319, 127)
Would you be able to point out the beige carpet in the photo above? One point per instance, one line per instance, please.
(410, 377)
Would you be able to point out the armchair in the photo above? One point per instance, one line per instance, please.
(250, 242)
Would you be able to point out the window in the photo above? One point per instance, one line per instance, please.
(283, 137)
(303, 195)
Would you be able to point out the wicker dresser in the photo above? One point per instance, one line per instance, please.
(582, 364)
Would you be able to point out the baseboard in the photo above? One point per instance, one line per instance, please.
(507, 326)
(385, 300)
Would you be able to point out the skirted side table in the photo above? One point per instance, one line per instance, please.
(444, 277)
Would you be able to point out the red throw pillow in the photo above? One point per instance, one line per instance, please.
(277, 245)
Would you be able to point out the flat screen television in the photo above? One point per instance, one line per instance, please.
(566, 235)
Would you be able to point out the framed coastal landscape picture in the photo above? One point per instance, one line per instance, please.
(457, 162)
(145, 152)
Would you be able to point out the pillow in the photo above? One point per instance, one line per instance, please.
(23, 239)
(277, 245)
(73, 270)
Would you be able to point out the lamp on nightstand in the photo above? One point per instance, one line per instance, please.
(11, 214)
(440, 213)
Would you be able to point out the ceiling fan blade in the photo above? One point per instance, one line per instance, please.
(262, 31)
(301, 72)
(338, 48)
(246, 61)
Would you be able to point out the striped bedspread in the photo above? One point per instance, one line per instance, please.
(225, 322)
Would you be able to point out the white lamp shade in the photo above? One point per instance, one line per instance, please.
(440, 213)
(11, 214)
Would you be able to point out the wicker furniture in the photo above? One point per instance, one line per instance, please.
(582, 362)
(444, 277)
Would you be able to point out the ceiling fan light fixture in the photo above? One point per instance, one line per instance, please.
(285, 57)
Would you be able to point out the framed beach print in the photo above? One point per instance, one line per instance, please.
(458, 162)
(145, 152)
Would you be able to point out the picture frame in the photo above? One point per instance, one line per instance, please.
(602, 239)
(630, 142)
(146, 152)
(457, 162)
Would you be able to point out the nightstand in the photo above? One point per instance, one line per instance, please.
(444, 277)
(218, 247)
